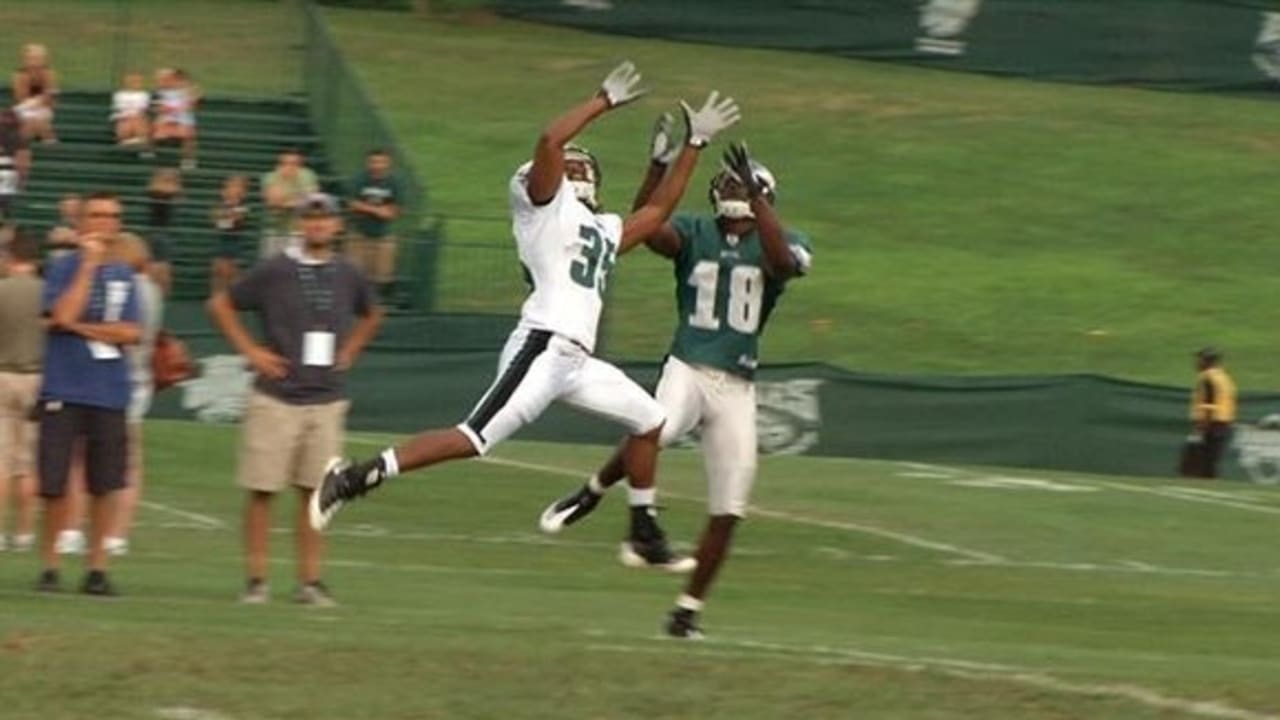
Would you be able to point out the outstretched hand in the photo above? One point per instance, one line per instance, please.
(621, 86)
(738, 160)
(716, 114)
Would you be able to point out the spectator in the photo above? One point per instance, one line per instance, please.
(176, 100)
(92, 310)
(283, 189)
(164, 190)
(15, 163)
(129, 107)
(375, 204)
(64, 237)
(133, 252)
(230, 217)
(1213, 411)
(35, 91)
(317, 314)
(22, 327)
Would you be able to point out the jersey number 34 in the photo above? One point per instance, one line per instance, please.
(746, 292)
(591, 269)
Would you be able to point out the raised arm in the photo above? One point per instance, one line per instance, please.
(69, 306)
(701, 126)
(547, 172)
(779, 261)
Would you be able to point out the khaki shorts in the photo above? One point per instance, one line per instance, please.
(18, 394)
(374, 257)
(282, 444)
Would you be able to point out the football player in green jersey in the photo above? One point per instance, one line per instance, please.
(730, 269)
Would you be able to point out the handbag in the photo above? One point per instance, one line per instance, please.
(170, 361)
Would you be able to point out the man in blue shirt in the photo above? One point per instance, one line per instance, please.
(92, 307)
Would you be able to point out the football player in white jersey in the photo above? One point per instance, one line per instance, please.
(567, 247)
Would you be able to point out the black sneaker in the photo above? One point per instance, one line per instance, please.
(49, 582)
(568, 510)
(96, 583)
(683, 624)
(342, 482)
(647, 546)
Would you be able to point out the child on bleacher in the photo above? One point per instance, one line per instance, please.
(231, 218)
(176, 100)
(163, 191)
(129, 107)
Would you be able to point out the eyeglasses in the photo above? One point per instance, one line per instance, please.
(111, 215)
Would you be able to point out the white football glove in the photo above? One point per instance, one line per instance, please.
(715, 115)
(664, 145)
(619, 88)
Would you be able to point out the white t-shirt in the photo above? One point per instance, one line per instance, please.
(567, 252)
(125, 103)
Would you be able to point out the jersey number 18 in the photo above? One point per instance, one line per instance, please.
(746, 291)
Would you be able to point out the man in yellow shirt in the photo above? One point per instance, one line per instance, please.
(1213, 410)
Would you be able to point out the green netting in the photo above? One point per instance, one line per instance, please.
(349, 124)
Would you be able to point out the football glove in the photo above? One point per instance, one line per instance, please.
(715, 115)
(738, 160)
(664, 146)
(619, 88)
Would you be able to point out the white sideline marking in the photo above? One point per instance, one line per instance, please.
(189, 713)
(1179, 494)
(901, 537)
(206, 520)
(963, 669)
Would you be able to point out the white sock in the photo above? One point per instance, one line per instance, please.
(641, 498)
(390, 465)
(689, 602)
(593, 484)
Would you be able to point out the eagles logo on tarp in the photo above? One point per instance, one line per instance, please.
(221, 391)
(1266, 49)
(943, 23)
(788, 418)
(1258, 446)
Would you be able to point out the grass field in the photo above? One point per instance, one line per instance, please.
(963, 223)
(861, 589)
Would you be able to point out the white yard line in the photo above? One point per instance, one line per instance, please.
(1177, 494)
(183, 712)
(963, 669)
(901, 537)
(205, 520)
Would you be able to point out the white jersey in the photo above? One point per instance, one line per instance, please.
(567, 252)
(127, 103)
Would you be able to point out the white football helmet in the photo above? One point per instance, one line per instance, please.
(583, 171)
(729, 197)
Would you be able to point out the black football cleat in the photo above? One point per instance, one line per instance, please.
(49, 582)
(568, 510)
(96, 583)
(683, 624)
(342, 482)
(648, 547)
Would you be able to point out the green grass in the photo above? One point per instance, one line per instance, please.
(861, 589)
(963, 223)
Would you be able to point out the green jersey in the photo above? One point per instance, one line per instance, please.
(724, 296)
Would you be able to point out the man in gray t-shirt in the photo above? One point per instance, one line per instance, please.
(317, 314)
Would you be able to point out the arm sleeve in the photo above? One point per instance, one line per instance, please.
(686, 227)
(250, 291)
(522, 208)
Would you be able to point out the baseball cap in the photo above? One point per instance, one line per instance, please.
(318, 203)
